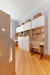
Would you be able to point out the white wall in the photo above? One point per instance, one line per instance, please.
(13, 26)
(48, 33)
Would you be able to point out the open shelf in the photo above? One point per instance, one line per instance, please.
(38, 33)
(39, 27)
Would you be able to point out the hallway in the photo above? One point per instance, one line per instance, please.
(25, 64)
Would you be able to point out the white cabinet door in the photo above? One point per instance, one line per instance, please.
(20, 42)
(17, 29)
(27, 38)
(23, 42)
(21, 28)
(28, 25)
(23, 38)
(34, 23)
(25, 26)
(27, 46)
(41, 21)
(26, 43)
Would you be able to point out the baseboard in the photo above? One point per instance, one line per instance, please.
(47, 56)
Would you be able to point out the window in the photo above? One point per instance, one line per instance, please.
(0, 47)
(10, 54)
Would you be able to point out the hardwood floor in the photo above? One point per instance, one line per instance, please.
(25, 64)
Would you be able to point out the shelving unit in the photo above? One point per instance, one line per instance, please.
(34, 30)
(38, 36)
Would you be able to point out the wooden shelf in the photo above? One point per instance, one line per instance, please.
(36, 49)
(37, 33)
(31, 29)
(38, 27)
(22, 31)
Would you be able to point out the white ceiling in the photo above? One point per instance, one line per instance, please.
(18, 9)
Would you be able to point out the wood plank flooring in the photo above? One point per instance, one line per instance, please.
(25, 64)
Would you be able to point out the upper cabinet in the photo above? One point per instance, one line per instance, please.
(17, 29)
(33, 24)
(27, 26)
(21, 28)
(40, 21)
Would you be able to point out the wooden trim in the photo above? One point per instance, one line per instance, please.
(18, 25)
(38, 33)
(22, 23)
(38, 27)
(28, 20)
(37, 15)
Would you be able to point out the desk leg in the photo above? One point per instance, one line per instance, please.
(41, 52)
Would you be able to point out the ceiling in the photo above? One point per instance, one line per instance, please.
(19, 9)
